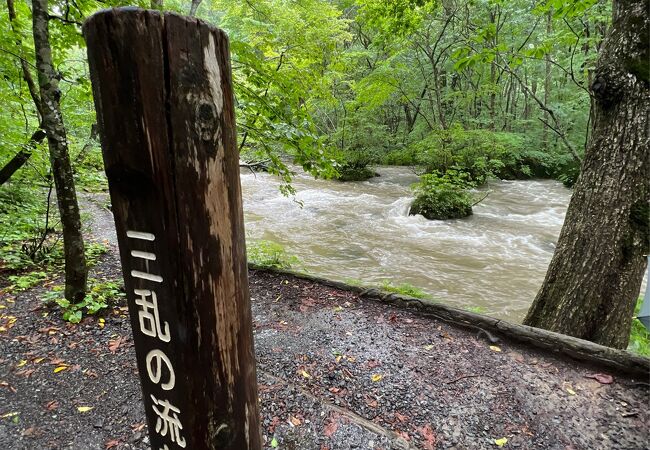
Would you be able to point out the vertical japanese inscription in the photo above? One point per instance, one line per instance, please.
(160, 370)
(163, 94)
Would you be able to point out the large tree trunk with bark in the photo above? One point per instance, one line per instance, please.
(597, 269)
(52, 122)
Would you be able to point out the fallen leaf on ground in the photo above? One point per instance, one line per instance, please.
(31, 431)
(60, 368)
(112, 443)
(138, 426)
(115, 344)
(571, 391)
(295, 421)
(26, 373)
(101, 323)
(401, 417)
(330, 428)
(377, 377)
(9, 414)
(305, 374)
(274, 443)
(84, 409)
(429, 437)
(602, 378)
(21, 363)
(52, 405)
(501, 442)
(494, 348)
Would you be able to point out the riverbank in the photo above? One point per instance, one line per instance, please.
(335, 371)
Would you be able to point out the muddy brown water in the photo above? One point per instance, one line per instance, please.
(494, 260)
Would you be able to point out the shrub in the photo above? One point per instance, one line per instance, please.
(442, 197)
(99, 296)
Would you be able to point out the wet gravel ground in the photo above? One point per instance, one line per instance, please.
(335, 372)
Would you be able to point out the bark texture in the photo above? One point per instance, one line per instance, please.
(52, 122)
(165, 107)
(21, 157)
(596, 272)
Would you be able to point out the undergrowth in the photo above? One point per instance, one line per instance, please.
(269, 254)
(404, 289)
(639, 334)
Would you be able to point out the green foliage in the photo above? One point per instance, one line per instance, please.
(354, 166)
(404, 289)
(268, 254)
(25, 281)
(443, 196)
(101, 295)
(479, 153)
(639, 335)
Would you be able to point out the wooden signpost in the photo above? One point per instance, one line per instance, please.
(163, 94)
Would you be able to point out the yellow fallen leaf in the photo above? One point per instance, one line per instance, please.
(351, 358)
(428, 347)
(501, 442)
(571, 391)
(38, 360)
(494, 348)
(101, 322)
(21, 363)
(10, 414)
(2, 306)
(305, 374)
(376, 377)
(84, 409)
(60, 369)
(2, 329)
(338, 358)
(295, 421)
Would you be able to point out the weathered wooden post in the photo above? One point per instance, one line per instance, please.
(164, 100)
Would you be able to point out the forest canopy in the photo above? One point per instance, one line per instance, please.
(491, 87)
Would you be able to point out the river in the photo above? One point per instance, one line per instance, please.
(494, 260)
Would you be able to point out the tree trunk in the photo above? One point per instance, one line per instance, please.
(595, 275)
(21, 157)
(547, 81)
(73, 244)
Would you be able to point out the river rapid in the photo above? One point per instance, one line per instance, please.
(495, 259)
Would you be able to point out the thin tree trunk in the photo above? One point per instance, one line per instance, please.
(194, 6)
(595, 275)
(21, 157)
(73, 244)
(547, 81)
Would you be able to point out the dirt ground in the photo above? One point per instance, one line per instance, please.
(335, 372)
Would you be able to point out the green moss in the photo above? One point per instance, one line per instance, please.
(404, 289)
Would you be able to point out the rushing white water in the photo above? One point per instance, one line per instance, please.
(495, 259)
